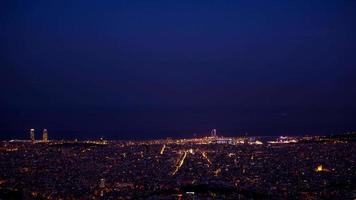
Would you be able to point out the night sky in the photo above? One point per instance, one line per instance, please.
(157, 69)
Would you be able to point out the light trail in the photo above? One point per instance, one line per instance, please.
(205, 155)
(217, 172)
(162, 150)
(180, 163)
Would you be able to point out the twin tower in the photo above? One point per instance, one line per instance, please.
(44, 135)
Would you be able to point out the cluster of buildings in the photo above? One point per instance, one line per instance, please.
(176, 169)
(214, 138)
(44, 135)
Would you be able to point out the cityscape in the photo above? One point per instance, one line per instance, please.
(177, 100)
(210, 167)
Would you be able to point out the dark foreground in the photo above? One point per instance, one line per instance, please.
(160, 170)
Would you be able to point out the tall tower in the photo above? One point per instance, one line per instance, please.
(213, 133)
(45, 135)
(32, 135)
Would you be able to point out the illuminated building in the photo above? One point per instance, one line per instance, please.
(45, 135)
(284, 140)
(224, 141)
(32, 134)
(213, 133)
(321, 168)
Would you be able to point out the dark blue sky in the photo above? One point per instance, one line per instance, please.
(148, 69)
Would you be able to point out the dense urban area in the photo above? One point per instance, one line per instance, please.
(211, 167)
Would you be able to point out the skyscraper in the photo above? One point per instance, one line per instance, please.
(45, 135)
(213, 133)
(32, 134)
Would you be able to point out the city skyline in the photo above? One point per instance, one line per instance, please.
(198, 168)
(132, 99)
(214, 133)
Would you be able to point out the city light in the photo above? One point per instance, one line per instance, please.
(321, 168)
(176, 168)
(162, 150)
(205, 155)
(180, 163)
